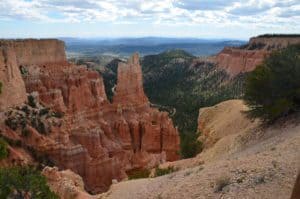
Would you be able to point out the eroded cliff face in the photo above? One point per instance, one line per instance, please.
(37, 52)
(129, 89)
(246, 58)
(96, 139)
(269, 43)
(13, 89)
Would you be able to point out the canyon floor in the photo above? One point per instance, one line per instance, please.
(259, 162)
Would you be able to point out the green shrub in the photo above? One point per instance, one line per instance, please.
(138, 174)
(25, 132)
(11, 123)
(58, 114)
(41, 127)
(44, 111)
(11, 142)
(31, 101)
(273, 88)
(3, 149)
(164, 171)
(190, 146)
(25, 109)
(16, 182)
(23, 70)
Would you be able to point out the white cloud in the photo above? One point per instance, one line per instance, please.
(171, 12)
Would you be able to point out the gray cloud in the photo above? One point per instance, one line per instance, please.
(258, 7)
(204, 4)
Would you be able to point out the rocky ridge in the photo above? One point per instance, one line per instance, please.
(83, 131)
(246, 58)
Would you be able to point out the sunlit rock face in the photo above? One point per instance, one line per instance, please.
(248, 57)
(12, 85)
(96, 139)
(37, 52)
(129, 90)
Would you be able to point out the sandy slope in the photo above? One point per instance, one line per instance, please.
(259, 162)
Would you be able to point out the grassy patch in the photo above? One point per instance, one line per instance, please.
(138, 174)
(3, 149)
(164, 171)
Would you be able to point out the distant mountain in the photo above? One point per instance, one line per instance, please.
(123, 47)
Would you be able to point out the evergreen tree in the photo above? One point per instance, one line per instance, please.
(273, 88)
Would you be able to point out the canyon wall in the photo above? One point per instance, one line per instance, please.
(94, 138)
(12, 85)
(246, 58)
(37, 52)
(269, 43)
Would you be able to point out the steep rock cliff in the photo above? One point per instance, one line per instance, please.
(98, 140)
(246, 58)
(37, 52)
(13, 89)
(129, 88)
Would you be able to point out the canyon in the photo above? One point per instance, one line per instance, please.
(57, 115)
(69, 121)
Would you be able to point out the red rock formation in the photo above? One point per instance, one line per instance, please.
(98, 140)
(246, 58)
(38, 52)
(129, 90)
(66, 184)
(13, 88)
(236, 61)
(269, 43)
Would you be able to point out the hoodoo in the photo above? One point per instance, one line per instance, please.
(85, 133)
(129, 89)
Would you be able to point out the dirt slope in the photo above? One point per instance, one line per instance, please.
(262, 163)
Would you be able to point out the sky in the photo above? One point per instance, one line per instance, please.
(238, 19)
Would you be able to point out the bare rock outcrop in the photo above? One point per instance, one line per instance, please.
(66, 184)
(246, 58)
(12, 85)
(87, 134)
(276, 42)
(37, 51)
(235, 61)
(129, 90)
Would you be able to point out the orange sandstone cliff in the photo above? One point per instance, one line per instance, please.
(12, 86)
(246, 58)
(94, 138)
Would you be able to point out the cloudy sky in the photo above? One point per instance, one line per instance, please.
(239, 19)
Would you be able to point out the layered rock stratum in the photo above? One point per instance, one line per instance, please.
(73, 124)
(245, 59)
(11, 79)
